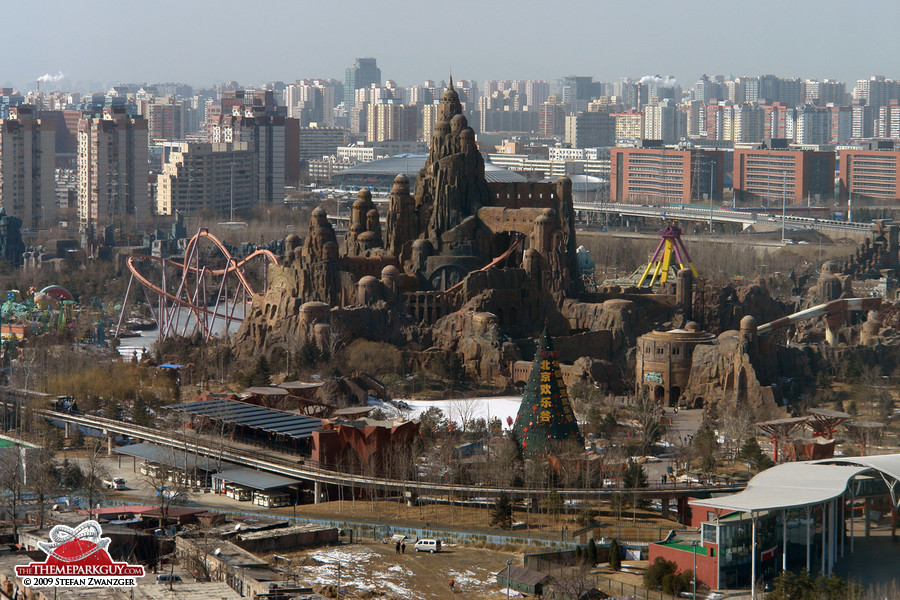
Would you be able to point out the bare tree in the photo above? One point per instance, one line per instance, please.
(94, 471)
(12, 480)
(43, 481)
(737, 423)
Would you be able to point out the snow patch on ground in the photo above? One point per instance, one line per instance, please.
(461, 409)
(354, 574)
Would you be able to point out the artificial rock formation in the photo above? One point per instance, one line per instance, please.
(457, 243)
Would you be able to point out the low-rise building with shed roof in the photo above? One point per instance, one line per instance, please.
(523, 580)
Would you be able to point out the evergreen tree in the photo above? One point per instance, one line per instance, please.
(501, 514)
(591, 552)
(615, 555)
(635, 475)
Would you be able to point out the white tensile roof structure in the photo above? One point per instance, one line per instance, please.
(802, 485)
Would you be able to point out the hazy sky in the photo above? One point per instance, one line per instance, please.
(201, 42)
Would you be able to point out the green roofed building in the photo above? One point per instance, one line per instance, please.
(545, 415)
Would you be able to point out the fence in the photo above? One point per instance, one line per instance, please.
(620, 589)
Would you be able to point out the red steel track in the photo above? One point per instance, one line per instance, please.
(192, 284)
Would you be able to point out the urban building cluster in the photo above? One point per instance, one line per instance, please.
(119, 157)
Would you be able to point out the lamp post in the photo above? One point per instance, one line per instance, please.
(508, 565)
(783, 202)
(712, 175)
(694, 543)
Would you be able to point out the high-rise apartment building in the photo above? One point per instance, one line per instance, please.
(166, 118)
(629, 125)
(113, 169)
(311, 101)
(590, 129)
(218, 178)
(266, 137)
(825, 92)
(363, 73)
(391, 121)
(27, 166)
(552, 119)
(747, 123)
(663, 121)
(317, 141)
(811, 124)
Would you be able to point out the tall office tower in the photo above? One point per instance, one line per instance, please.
(391, 121)
(590, 129)
(791, 92)
(112, 170)
(203, 176)
(363, 73)
(577, 92)
(27, 167)
(166, 118)
(552, 119)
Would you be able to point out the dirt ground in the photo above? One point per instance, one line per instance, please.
(375, 570)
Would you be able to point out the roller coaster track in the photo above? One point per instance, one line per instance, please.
(192, 298)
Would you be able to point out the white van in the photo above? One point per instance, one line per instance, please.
(428, 545)
(116, 483)
(174, 496)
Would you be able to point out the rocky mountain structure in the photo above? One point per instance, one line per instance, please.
(457, 245)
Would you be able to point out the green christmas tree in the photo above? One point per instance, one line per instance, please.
(545, 415)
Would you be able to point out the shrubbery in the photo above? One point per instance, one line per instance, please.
(663, 574)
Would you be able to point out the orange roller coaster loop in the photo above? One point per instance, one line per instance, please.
(191, 293)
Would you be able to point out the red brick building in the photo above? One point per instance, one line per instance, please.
(870, 175)
(762, 177)
(664, 176)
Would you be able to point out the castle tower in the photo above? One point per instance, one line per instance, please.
(545, 415)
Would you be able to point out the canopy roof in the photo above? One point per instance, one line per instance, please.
(273, 421)
(889, 464)
(170, 457)
(258, 480)
(790, 485)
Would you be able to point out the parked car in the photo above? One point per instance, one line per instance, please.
(428, 545)
(168, 578)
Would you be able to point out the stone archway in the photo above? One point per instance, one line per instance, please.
(659, 394)
(674, 395)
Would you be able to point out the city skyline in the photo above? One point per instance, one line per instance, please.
(209, 43)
